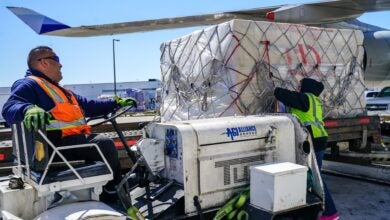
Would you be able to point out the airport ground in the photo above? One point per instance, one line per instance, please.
(357, 199)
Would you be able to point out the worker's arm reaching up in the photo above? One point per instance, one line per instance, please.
(292, 99)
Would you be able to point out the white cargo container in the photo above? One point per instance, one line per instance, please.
(279, 186)
(232, 69)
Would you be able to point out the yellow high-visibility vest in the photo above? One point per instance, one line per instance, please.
(313, 117)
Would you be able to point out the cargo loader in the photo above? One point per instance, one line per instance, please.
(182, 170)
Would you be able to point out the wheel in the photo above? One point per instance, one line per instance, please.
(334, 148)
(356, 146)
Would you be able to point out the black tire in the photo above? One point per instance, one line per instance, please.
(355, 145)
(334, 148)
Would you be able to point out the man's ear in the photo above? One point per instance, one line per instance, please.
(42, 65)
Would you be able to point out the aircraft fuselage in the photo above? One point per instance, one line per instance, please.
(377, 46)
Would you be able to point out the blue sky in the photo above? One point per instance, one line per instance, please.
(89, 60)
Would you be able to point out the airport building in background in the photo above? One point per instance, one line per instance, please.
(96, 90)
(149, 99)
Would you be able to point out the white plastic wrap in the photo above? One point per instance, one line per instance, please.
(232, 69)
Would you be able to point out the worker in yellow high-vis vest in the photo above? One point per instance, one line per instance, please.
(307, 106)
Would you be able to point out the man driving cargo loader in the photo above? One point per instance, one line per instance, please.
(38, 99)
(306, 105)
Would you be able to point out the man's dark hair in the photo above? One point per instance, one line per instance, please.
(38, 53)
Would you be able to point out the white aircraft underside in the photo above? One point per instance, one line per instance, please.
(334, 14)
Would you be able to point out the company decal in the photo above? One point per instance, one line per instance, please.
(244, 131)
(233, 169)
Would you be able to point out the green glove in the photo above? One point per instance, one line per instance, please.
(35, 118)
(122, 102)
(134, 213)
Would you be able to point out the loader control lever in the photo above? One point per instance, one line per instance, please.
(112, 118)
(109, 117)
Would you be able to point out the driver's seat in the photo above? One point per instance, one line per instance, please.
(35, 165)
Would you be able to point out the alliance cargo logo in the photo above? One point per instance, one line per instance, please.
(241, 131)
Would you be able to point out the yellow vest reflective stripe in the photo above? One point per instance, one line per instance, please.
(313, 117)
(59, 125)
(52, 93)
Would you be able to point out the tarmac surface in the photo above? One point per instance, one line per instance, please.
(358, 199)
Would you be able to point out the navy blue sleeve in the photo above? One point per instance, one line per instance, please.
(95, 107)
(24, 93)
(292, 99)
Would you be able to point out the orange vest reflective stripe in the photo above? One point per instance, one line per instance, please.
(68, 116)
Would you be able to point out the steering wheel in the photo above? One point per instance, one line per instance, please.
(110, 116)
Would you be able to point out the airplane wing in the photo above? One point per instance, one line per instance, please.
(308, 13)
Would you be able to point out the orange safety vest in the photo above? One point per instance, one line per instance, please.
(68, 115)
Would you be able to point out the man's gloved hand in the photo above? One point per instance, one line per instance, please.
(122, 102)
(35, 118)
